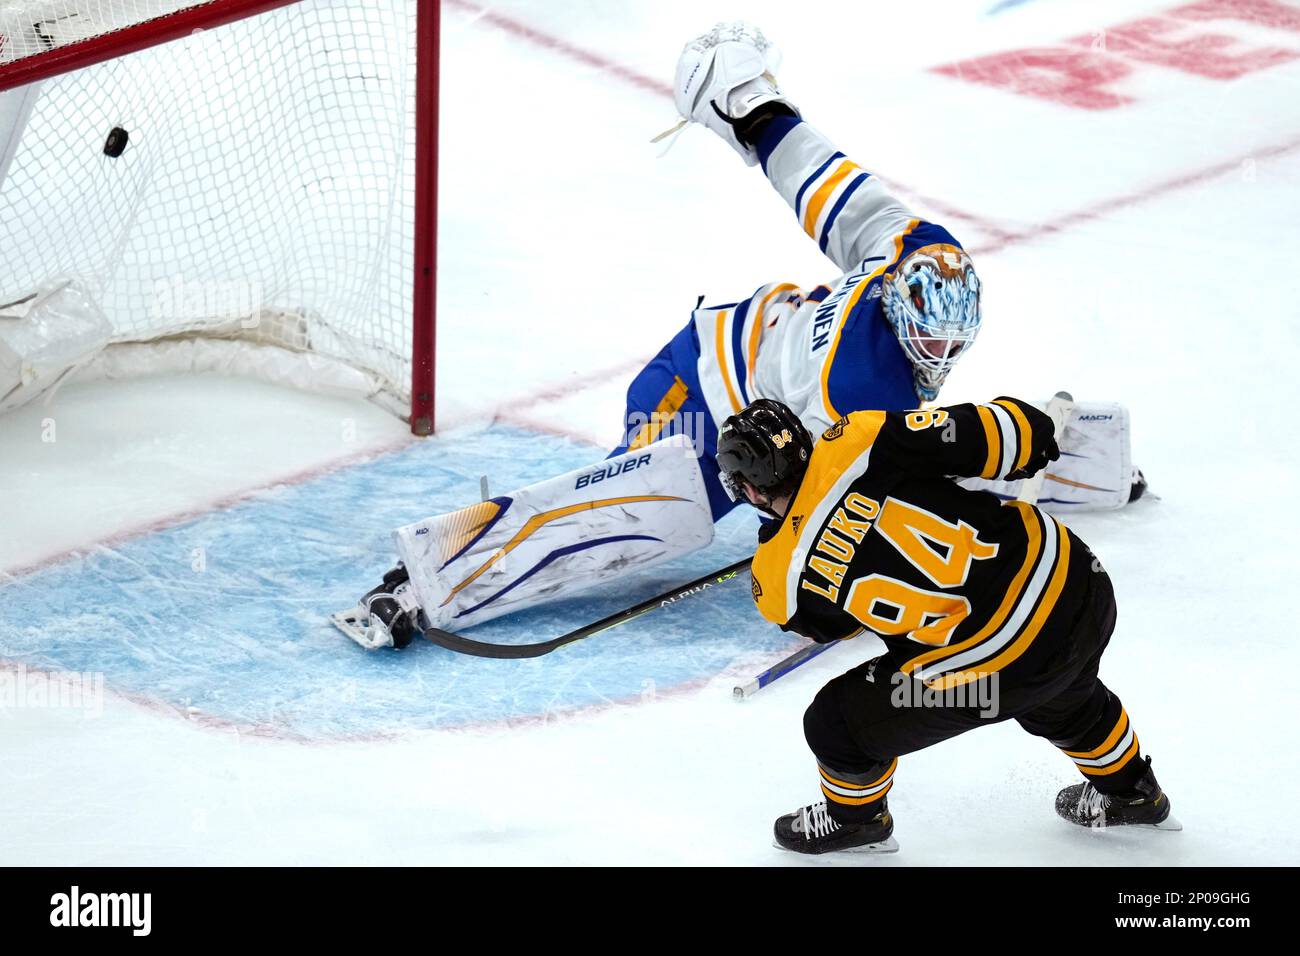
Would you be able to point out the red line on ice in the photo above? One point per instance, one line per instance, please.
(564, 47)
(998, 239)
(1115, 204)
(556, 44)
(515, 410)
(217, 504)
(269, 731)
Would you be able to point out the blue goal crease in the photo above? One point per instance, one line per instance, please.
(227, 615)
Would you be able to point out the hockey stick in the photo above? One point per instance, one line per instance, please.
(1058, 410)
(780, 669)
(465, 645)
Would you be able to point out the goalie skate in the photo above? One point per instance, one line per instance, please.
(355, 623)
(366, 629)
(387, 616)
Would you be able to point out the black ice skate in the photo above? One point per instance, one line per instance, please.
(1145, 805)
(386, 616)
(811, 830)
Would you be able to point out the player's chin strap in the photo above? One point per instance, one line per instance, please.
(465, 645)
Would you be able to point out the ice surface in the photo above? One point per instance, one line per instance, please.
(224, 616)
(1139, 254)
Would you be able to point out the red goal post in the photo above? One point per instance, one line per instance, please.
(69, 46)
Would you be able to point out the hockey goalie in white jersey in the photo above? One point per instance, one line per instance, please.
(883, 335)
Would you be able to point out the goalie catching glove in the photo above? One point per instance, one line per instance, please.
(723, 78)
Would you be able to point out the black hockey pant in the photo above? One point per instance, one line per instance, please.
(864, 720)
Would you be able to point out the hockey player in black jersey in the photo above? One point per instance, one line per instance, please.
(989, 610)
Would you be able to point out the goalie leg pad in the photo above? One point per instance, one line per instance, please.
(558, 537)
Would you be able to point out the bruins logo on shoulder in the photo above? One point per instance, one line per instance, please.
(754, 586)
(836, 430)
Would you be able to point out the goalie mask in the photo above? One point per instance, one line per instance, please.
(766, 447)
(932, 300)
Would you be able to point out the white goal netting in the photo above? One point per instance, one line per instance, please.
(32, 27)
(265, 194)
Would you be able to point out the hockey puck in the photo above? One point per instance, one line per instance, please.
(115, 143)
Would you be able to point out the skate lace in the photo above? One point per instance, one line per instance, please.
(817, 822)
(1093, 803)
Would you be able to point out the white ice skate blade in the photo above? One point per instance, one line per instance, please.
(356, 625)
(350, 623)
(1170, 823)
(887, 845)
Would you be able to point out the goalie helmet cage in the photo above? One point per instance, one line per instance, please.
(246, 185)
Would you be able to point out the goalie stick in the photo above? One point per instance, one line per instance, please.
(465, 645)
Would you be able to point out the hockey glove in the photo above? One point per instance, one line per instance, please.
(1043, 447)
(723, 78)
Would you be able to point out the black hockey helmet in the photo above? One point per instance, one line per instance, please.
(765, 445)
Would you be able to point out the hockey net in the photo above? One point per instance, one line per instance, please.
(227, 185)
